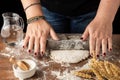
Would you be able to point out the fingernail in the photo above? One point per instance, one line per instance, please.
(81, 38)
(98, 56)
(23, 46)
(35, 53)
(110, 49)
(104, 54)
(29, 51)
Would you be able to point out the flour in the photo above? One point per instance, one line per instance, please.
(86, 66)
(65, 75)
(69, 56)
(65, 64)
(69, 75)
(44, 63)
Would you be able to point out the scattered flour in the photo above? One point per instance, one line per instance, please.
(65, 64)
(66, 75)
(44, 63)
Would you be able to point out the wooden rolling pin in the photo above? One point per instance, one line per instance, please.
(21, 64)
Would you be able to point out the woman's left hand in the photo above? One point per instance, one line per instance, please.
(100, 35)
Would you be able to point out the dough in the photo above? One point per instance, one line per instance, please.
(69, 56)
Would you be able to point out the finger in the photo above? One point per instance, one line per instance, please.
(98, 43)
(43, 43)
(110, 44)
(85, 34)
(30, 45)
(104, 47)
(37, 46)
(92, 45)
(53, 34)
(26, 40)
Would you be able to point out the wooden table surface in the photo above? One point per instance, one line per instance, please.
(44, 72)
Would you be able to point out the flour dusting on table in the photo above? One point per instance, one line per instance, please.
(68, 75)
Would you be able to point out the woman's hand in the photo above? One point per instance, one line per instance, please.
(100, 29)
(100, 35)
(36, 36)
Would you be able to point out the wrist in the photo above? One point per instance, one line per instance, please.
(33, 4)
(104, 18)
(33, 9)
(33, 19)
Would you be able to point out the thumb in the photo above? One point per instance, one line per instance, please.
(53, 34)
(85, 34)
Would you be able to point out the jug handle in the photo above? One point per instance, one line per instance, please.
(21, 22)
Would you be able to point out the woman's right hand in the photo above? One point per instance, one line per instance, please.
(36, 36)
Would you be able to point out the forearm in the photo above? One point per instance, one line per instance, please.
(34, 10)
(107, 10)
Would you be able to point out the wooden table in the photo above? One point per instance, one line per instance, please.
(44, 69)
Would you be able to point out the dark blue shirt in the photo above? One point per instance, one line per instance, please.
(71, 7)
